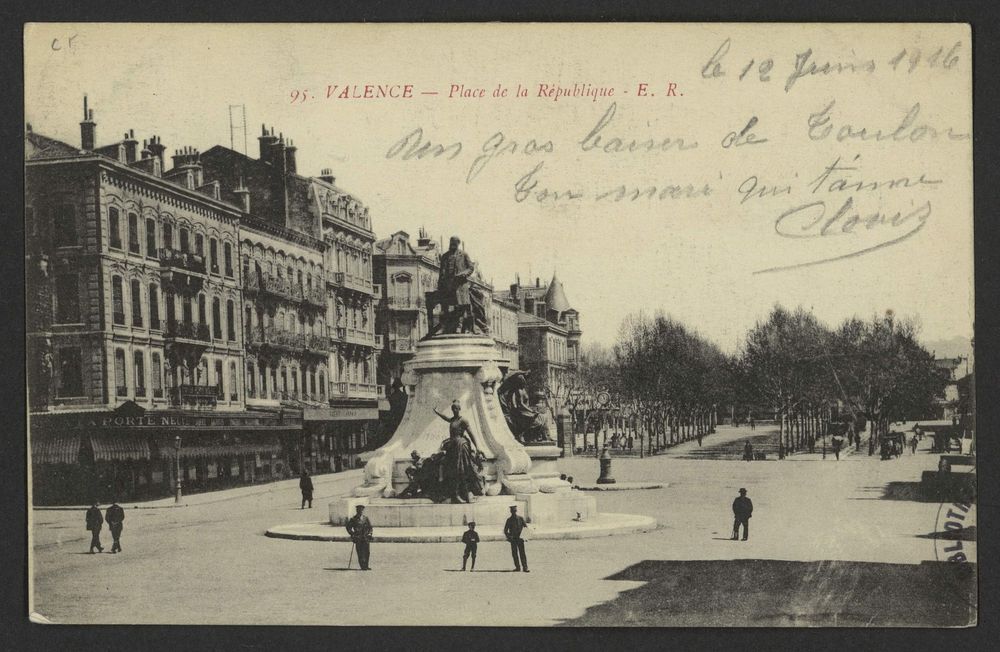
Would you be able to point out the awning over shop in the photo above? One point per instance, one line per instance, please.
(225, 450)
(60, 449)
(119, 448)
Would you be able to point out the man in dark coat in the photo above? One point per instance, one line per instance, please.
(360, 529)
(115, 516)
(512, 529)
(748, 451)
(742, 511)
(94, 523)
(306, 487)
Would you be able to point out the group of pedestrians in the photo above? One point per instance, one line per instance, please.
(360, 529)
(114, 517)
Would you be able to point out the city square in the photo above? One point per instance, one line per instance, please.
(807, 510)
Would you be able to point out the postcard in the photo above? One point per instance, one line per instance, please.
(500, 324)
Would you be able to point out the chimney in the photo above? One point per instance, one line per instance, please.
(290, 156)
(266, 139)
(243, 194)
(131, 145)
(513, 291)
(276, 155)
(157, 149)
(326, 174)
(538, 282)
(88, 128)
(188, 159)
(146, 152)
(423, 240)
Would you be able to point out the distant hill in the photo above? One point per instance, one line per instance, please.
(950, 348)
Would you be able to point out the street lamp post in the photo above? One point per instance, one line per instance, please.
(177, 467)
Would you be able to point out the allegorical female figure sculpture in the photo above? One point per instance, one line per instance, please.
(460, 466)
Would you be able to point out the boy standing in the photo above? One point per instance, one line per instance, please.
(471, 540)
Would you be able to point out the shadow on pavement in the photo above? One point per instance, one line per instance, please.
(775, 593)
(965, 534)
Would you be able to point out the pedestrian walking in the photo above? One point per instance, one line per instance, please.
(94, 523)
(913, 444)
(742, 511)
(836, 442)
(748, 451)
(115, 516)
(360, 530)
(471, 540)
(513, 530)
(753, 425)
(699, 437)
(306, 487)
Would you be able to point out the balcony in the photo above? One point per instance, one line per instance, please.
(315, 297)
(356, 336)
(182, 260)
(187, 330)
(195, 395)
(377, 289)
(336, 278)
(343, 214)
(358, 283)
(345, 389)
(404, 303)
(298, 343)
(402, 346)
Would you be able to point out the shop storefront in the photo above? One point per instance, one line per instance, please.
(334, 437)
(131, 454)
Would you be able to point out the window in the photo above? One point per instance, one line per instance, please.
(227, 258)
(156, 379)
(114, 229)
(213, 250)
(322, 386)
(133, 233)
(70, 373)
(154, 307)
(199, 244)
(171, 312)
(201, 309)
(230, 321)
(295, 381)
(64, 222)
(168, 236)
(151, 237)
(233, 394)
(219, 380)
(117, 301)
(247, 323)
(67, 299)
(216, 319)
(284, 380)
(187, 306)
(121, 382)
(252, 390)
(246, 268)
(136, 303)
(139, 372)
(185, 240)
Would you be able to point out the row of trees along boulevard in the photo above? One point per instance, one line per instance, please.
(662, 382)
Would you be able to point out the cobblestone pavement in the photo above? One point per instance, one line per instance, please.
(211, 563)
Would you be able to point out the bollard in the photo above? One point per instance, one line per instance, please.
(605, 477)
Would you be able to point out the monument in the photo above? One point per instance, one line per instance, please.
(494, 450)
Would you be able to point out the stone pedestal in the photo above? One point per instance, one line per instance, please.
(445, 369)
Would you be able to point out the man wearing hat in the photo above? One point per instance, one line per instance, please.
(360, 529)
(471, 540)
(512, 529)
(742, 511)
(95, 521)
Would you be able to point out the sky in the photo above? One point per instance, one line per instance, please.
(698, 250)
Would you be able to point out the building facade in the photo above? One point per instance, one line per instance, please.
(209, 322)
(548, 332)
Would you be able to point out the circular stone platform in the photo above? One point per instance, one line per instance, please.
(621, 486)
(601, 525)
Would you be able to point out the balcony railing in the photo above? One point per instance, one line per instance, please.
(404, 303)
(336, 278)
(195, 394)
(358, 283)
(282, 339)
(283, 288)
(155, 324)
(343, 389)
(357, 336)
(187, 330)
(341, 213)
(182, 260)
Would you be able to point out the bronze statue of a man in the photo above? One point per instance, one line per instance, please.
(462, 306)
